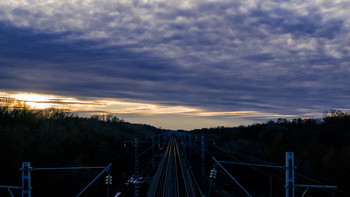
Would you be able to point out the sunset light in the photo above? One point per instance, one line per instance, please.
(134, 111)
(36, 101)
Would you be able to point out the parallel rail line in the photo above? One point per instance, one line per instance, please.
(172, 180)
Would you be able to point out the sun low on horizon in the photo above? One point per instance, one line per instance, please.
(138, 112)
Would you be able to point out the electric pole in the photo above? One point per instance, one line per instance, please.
(26, 179)
(289, 174)
(203, 161)
(137, 188)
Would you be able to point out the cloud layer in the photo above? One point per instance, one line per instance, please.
(269, 56)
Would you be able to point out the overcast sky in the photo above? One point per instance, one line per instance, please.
(231, 61)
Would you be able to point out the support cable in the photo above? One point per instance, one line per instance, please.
(218, 163)
(147, 149)
(106, 168)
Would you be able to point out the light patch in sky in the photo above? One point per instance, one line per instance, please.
(36, 101)
(246, 114)
(42, 101)
(170, 117)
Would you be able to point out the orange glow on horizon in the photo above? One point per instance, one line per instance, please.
(115, 106)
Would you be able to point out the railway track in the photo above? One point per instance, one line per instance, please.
(173, 178)
(181, 183)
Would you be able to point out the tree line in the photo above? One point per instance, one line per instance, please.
(321, 146)
(59, 138)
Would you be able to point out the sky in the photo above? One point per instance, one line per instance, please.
(178, 64)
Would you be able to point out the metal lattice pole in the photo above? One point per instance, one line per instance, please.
(153, 153)
(190, 145)
(26, 179)
(289, 174)
(137, 188)
(203, 161)
(158, 141)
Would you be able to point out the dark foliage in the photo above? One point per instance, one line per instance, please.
(321, 148)
(56, 138)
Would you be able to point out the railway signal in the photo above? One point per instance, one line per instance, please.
(109, 180)
(212, 174)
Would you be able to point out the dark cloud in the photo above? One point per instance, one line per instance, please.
(218, 56)
(260, 57)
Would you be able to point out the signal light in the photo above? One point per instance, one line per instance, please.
(109, 180)
(212, 174)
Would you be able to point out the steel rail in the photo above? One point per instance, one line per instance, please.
(167, 169)
(182, 171)
(176, 173)
(160, 172)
